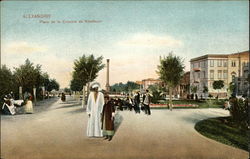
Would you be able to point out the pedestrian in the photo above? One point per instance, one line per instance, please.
(63, 98)
(28, 107)
(108, 114)
(137, 102)
(94, 109)
(146, 102)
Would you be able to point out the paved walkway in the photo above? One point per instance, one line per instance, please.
(60, 133)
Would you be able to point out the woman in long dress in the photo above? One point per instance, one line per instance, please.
(28, 108)
(94, 110)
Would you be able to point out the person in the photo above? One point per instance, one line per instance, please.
(146, 102)
(28, 107)
(137, 102)
(8, 107)
(94, 109)
(63, 98)
(108, 114)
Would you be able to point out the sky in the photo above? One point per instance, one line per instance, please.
(132, 34)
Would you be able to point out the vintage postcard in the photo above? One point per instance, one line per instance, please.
(124, 79)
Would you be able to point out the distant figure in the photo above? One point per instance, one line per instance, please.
(94, 109)
(146, 102)
(63, 98)
(28, 107)
(8, 107)
(108, 114)
(137, 102)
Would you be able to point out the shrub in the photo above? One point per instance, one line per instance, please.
(238, 111)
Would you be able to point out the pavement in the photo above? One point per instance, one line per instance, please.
(59, 132)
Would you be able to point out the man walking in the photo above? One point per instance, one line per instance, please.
(146, 102)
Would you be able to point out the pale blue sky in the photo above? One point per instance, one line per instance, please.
(132, 34)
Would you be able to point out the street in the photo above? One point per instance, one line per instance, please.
(59, 132)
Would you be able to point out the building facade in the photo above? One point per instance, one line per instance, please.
(150, 81)
(226, 67)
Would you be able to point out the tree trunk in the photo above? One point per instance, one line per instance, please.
(83, 97)
(170, 98)
(88, 89)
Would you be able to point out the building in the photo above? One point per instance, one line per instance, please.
(226, 67)
(150, 81)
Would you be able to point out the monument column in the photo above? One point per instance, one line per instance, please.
(107, 77)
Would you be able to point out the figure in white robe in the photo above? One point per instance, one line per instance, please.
(94, 110)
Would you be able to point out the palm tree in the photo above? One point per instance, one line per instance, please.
(171, 70)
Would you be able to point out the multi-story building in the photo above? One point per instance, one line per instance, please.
(150, 81)
(226, 67)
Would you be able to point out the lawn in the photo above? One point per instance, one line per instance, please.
(197, 104)
(224, 130)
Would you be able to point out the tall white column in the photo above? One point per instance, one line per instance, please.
(107, 77)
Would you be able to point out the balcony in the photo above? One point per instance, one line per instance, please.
(196, 69)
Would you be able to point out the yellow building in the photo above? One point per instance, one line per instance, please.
(226, 67)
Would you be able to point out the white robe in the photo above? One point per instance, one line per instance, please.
(94, 108)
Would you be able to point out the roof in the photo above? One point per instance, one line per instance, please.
(242, 54)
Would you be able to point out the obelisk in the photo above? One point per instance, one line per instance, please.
(107, 77)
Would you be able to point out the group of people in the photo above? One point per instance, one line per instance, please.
(101, 111)
(12, 106)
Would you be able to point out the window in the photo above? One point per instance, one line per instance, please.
(219, 74)
(204, 74)
(198, 75)
(211, 63)
(219, 63)
(233, 63)
(225, 63)
(212, 74)
(225, 74)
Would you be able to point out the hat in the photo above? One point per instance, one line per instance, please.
(95, 85)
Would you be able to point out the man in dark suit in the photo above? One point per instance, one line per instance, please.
(146, 101)
(137, 102)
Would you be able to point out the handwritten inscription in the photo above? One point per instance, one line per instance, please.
(68, 21)
(47, 19)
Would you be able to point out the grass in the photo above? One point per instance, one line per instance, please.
(201, 103)
(224, 130)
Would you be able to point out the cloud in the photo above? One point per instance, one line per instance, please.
(150, 40)
(23, 47)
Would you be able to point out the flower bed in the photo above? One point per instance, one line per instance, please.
(174, 105)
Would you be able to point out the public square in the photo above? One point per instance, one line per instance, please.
(59, 132)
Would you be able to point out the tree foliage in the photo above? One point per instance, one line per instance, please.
(127, 87)
(86, 70)
(218, 84)
(194, 89)
(171, 70)
(28, 76)
(6, 81)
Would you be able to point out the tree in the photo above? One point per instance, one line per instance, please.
(53, 84)
(86, 70)
(75, 85)
(128, 87)
(218, 85)
(205, 90)
(28, 76)
(171, 70)
(6, 81)
(232, 89)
